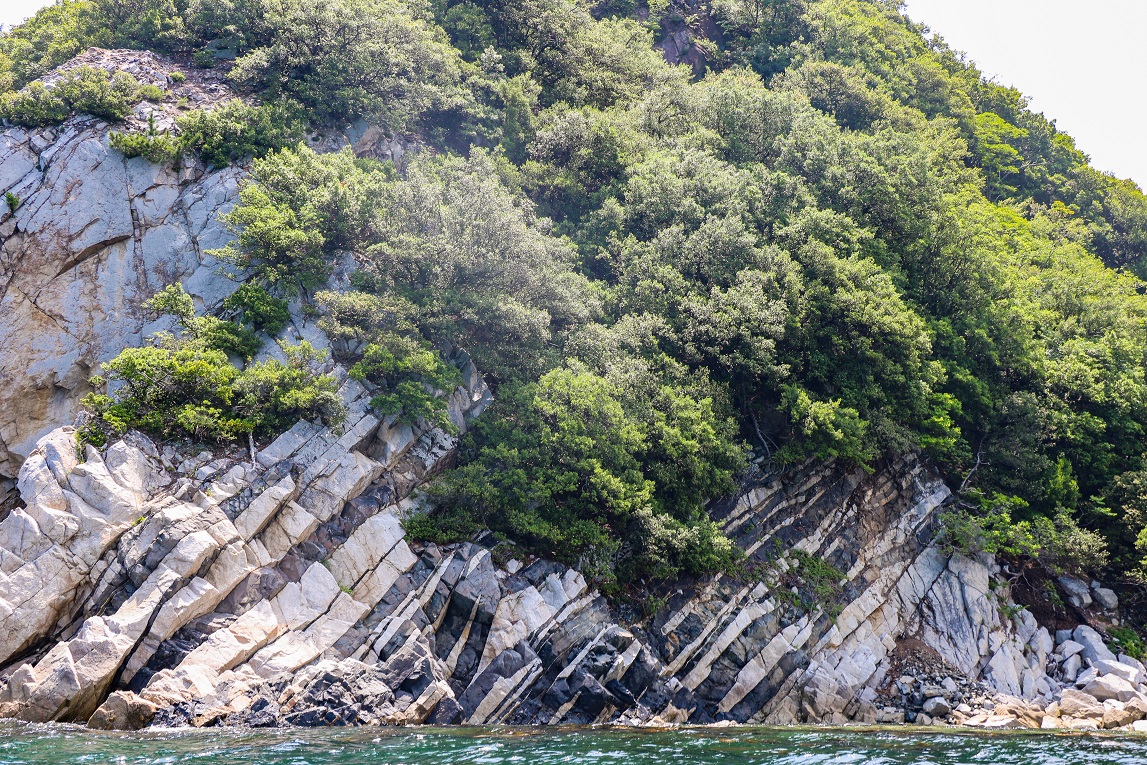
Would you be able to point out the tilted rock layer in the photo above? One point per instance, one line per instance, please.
(283, 591)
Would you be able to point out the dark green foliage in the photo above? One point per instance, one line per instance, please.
(82, 90)
(236, 131)
(12, 201)
(565, 468)
(832, 239)
(378, 336)
(819, 580)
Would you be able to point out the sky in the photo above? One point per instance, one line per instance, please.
(1083, 64)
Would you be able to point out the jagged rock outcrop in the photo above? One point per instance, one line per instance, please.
(94, 235)
(282, 591)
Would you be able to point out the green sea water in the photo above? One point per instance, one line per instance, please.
(20, 744)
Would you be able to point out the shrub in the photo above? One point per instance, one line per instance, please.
(236, 131)
(183, 387)
(298, 210)
(214, 333)
(565, 469)
(12, 201)
(157, 148)
(274, 395)
(152, 145)
(82, 90)
(1059, 543)
(820, 579)
(1128, 641)
(34, 106)
(177, 76)
(386, 350)
(257, 307)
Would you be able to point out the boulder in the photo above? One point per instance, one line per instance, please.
(937, 706)
(1126, 671)
(1070, 667)
(1116, 716)
(1070, 648)
(1073, 703)
(1106, 687)
(1077, 591)
(1106, 598)
(123, 710)
(1086, 676)
(1094, 648)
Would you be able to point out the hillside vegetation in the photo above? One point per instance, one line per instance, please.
(830, 237)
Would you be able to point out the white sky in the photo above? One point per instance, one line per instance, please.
(1083, 64)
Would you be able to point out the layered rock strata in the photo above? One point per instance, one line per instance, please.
(283, 591)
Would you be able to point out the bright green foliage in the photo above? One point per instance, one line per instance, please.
(152, 145)
(82, 90)
(260, 309)
(297, 210)
(43, 42)
(1127, 641)
(276, 394)
(1059, 544)
(214, 333)
(186, 386)
(236, 131)
(181, 387)
(377, 335)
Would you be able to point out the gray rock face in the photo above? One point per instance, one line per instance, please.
(284, 592)
(94, 236)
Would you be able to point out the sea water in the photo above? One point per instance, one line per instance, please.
(59, 744)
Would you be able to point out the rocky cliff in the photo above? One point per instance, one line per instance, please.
(140, 584)
(93, 236)
(282, 591)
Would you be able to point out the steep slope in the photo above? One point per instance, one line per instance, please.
(283, 591)
(95, 234)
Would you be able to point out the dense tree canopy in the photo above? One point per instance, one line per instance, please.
(831, 237)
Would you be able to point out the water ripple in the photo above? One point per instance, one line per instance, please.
(44, 744)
